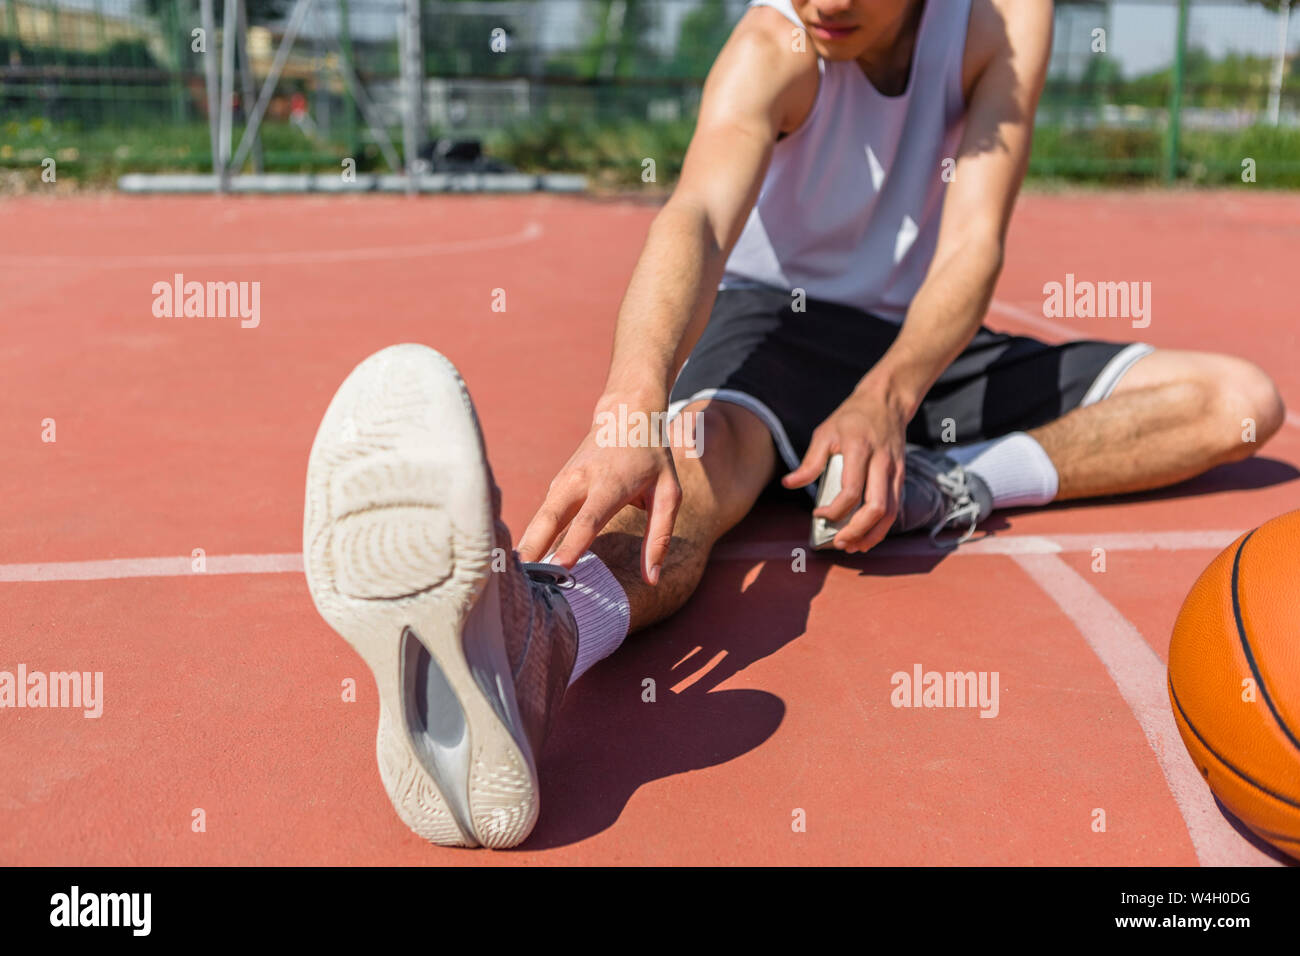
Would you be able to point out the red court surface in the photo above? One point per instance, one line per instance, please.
(222, 688)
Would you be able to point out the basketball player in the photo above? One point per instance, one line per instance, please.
(812, 294)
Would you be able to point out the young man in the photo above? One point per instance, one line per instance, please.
(825, 262)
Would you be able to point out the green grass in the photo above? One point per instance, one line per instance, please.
(1120, 156)
(614, 153)
(97, 156)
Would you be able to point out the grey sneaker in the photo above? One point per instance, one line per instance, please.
(938, 493)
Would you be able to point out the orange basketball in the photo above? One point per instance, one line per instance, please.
(1234, 679)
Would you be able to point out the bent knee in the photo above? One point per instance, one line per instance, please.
(1249, 401)
(721, 435)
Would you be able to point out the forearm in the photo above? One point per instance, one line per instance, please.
(669, 295)
(942, 320)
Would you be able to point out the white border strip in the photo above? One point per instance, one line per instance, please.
(1113, 371)
(1140, 677)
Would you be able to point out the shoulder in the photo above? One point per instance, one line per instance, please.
(769, 58)
(1002, 29)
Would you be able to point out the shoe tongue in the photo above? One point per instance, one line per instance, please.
(980, 494)
(550, 578)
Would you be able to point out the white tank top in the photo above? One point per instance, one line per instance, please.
(849, 209)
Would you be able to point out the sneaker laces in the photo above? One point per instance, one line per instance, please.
(552, 579)
(542, 572)
(961, 505)
(546, 581)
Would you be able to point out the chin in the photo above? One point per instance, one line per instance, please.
(838, 52)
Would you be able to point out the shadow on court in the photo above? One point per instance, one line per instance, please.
(610, 740)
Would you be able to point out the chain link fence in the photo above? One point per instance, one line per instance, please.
(1138, 89)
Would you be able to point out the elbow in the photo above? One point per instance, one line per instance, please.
(989, 249)
(976, 250)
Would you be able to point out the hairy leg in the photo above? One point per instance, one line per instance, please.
(1173, 415)
(719, 485)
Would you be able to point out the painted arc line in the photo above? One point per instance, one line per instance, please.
(530, 232)
(1140, 677)
(290, 562)
(1066, 332)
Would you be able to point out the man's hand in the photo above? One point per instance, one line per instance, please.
(871, 435)
(595, 484)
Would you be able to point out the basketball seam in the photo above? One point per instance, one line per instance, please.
(1245, 644)
(1217, 756)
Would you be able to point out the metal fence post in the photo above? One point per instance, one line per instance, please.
(349, 104)
(1176, 95)
(210, 78)
(1279, 65)
(11, 16)
(225, 129)
(248, 87)
(180, 50)
(413, 70)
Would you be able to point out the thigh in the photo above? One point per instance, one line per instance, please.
(1176, 366)
(1005, 383)
(1235, 388)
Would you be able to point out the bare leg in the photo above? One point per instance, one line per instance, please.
(1172, 416)
(736, 460)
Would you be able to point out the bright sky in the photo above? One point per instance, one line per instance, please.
(1141, 32)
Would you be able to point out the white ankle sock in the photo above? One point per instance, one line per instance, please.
(600, 607)
(1015, 468)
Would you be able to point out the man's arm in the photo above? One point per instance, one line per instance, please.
(869, 429)
(754, 86)
(758, 87)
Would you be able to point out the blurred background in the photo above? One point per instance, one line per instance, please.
(1139, 91)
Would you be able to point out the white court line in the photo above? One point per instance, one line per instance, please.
(529, 233)
(291, 561)
(1140, 677)
(171, 567)
(1066, 332)
(1009, 544)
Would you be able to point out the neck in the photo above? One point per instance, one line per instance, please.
(893, 46)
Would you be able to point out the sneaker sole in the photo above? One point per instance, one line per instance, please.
(397, 546)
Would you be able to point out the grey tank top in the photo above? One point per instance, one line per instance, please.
(849, 209)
